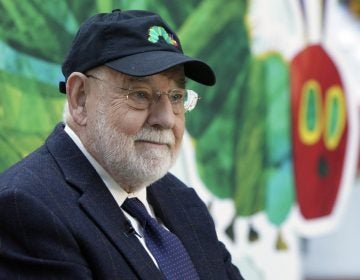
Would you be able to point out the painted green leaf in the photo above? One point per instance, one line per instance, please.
(249, 195)
(28, 112)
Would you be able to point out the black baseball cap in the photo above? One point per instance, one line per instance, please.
(136, 43)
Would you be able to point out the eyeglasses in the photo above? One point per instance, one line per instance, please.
(140, 98)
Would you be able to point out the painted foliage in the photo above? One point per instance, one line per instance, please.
(272, 122)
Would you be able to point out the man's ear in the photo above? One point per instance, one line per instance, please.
(76, 95)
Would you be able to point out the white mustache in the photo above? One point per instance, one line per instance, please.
(157, 136)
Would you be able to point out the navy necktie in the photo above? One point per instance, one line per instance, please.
(170, 254)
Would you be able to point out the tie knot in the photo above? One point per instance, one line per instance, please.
(136, 209)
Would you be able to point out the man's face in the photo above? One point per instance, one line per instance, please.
(136, 147)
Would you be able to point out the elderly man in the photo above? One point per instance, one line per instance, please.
(96, 201)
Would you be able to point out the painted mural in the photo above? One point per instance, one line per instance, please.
(272, 148)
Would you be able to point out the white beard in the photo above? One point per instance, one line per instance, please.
(130, 167)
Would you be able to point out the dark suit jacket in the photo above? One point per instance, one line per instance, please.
(59, 221)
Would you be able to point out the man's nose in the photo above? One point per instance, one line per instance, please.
(161, 112)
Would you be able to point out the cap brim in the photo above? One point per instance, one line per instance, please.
(150, 63)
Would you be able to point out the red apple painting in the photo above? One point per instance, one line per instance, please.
(319, 130)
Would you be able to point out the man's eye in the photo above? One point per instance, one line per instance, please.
(140, 95)
(176, 97)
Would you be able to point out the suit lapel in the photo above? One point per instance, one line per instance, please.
(98, 203)
(107, 215)
(179, 214)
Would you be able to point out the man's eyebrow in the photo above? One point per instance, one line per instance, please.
(138, 79)
(179, 81)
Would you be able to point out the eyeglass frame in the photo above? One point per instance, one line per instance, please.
(188, 105)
